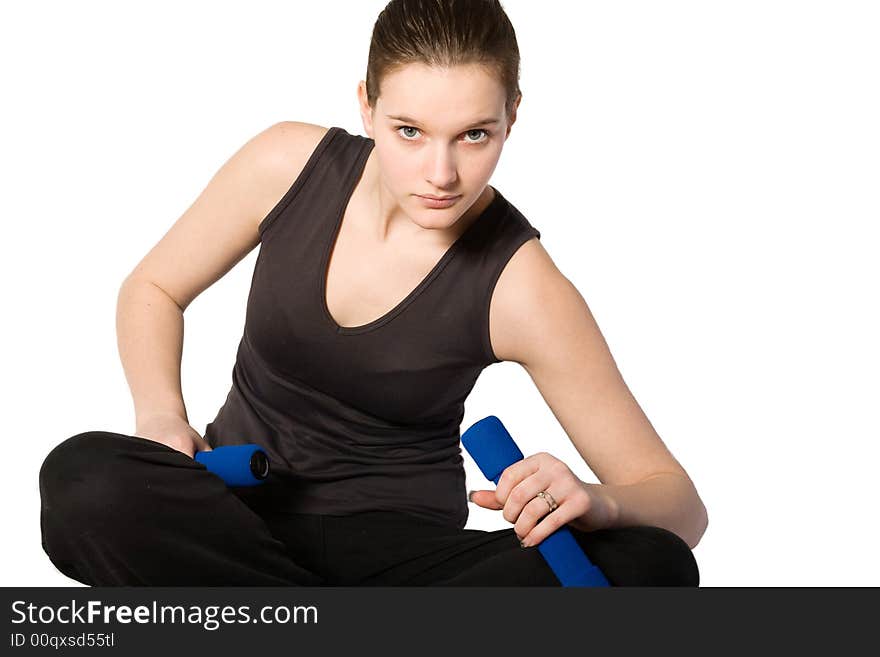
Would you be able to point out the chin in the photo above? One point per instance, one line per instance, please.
(437, 224)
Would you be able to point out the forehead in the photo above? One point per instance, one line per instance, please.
(455, 95)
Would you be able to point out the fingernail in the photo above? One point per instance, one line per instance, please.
(470, 495)
(522, 544)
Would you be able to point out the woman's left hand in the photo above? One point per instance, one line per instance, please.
(575, 502)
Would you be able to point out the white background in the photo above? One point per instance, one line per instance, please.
(705, 173)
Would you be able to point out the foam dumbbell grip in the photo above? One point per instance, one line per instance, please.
(237, 465)
(493, 450)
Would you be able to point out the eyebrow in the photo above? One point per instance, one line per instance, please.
(406, 119)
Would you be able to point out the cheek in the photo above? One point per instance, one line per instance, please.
(392, 171)
(397, 165)
(484, 167)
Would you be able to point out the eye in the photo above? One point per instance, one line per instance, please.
(406, 127)
(468, 132)
(478, 130)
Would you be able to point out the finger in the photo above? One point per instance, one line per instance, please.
(484, 498)
(571, 505)
(549, 523)
(513, 475)
(520, 498)
(532, 514)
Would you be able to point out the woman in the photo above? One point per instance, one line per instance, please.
(371, 313)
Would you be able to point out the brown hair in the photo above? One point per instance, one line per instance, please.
(444, 33)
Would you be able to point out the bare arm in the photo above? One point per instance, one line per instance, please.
(217, 231)
(540, 320)
(149, 331)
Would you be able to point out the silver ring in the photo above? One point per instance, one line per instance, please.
(548, 498)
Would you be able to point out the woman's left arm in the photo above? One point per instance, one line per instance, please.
(540, 320)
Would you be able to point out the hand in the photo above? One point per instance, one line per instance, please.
(579, 503)
(173, 431)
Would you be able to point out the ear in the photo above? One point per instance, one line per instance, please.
(513, 114)
(366, 112)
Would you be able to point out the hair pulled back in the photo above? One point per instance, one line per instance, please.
(444, 34)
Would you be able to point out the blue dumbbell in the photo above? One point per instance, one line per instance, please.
(237, 465)
(491, 446)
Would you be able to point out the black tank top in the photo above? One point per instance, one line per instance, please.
(368, 417)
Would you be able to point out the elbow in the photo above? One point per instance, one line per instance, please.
(700, 530)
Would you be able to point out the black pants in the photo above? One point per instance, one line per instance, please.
(123, 510)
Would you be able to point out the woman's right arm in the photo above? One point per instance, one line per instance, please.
(217, 231)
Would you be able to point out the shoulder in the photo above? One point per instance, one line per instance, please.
(276, 156)
(287, 143)
(530, 295)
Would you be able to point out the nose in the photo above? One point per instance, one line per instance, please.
(442, 169)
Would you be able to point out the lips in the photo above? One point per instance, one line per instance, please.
(439, 198)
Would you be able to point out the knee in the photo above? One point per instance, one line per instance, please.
(76, 477)
(641, 556)
(669, 560)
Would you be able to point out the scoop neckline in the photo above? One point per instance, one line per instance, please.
(423, 284)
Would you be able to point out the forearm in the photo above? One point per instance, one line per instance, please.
(149, 329)
(668, 501)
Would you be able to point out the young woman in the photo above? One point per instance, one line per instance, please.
(372, 311)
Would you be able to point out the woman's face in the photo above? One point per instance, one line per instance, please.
(431, 138)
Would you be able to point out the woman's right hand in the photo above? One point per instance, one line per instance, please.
(172, 430)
